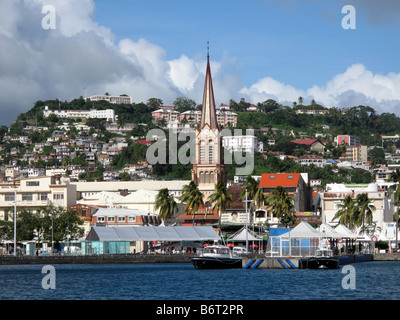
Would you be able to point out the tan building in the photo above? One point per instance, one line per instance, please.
(33, 194)
(333, 197)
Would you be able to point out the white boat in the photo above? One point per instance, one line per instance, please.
(217, 257)
(323, 258)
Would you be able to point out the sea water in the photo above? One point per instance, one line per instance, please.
(181, 281)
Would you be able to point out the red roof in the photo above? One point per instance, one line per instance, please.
(273, 180)
(307, 142)
(144, 142)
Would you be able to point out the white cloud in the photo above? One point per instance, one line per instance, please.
(39, 64)
(355, 86)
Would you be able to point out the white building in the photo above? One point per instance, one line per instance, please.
(35, 193)
(108, 114)
(333, 197)
(112, 99)
(244, 143)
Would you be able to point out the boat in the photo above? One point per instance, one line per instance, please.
(323, 259)
(217, 256)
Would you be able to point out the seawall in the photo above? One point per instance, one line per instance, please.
(96, 259)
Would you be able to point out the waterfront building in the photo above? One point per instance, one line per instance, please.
(112, 217)
(33, 194)
(332, 199)
(295, 184)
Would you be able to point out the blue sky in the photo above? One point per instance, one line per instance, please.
(259, 50)
(301, 43)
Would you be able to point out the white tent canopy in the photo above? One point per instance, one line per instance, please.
(241, 236)
(329, 232)
(303, 230)
(150, 233)
(345, 231)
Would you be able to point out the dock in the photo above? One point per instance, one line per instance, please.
(296, 262)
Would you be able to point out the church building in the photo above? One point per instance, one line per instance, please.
(208, 167)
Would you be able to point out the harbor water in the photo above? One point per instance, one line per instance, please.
(181, 281)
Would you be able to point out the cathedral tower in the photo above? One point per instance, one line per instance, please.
(208, 167)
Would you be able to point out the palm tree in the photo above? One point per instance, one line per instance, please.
(395, 177)
(346, 212)
(280, 203)
(364, 210)
(221, 198)
(166, 203)
(193, 197)
(251, 185)
(259, 197)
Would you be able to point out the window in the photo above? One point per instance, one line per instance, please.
(42, 196)
(58, 196)
(27, 197)
(132, 219)
(32, 183)
(272, 177)
(210, 151)
(201, 177)
(100, 219)
(111, 219)
(121, 219)
(290, 176)
(211, 177)
(9, 197)
(202, 151)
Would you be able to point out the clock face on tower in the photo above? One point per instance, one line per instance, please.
(206, 132)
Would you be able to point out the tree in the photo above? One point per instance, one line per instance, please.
(166, 203)
(251, 185)
(346, 212)
(59, 224)
(154, 103)
(364, 210)
(281, 205)
(221, 198)
(193, 198)
(184, 104)
(395, 177)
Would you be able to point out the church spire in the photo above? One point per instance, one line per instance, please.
(208, 113)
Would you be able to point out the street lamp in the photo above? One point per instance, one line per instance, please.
(247, 217)
(15, 220)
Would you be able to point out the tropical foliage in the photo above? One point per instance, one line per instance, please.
(281, 205)
(193, 197)
(356, 212)
(221, 198)
(166, 203)
(53, 223)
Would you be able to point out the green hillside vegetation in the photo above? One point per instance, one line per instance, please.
(271, 121)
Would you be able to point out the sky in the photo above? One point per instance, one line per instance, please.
(259, 50)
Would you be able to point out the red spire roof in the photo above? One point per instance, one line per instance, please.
(208, 113)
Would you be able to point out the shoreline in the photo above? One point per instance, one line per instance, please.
(134, 258)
